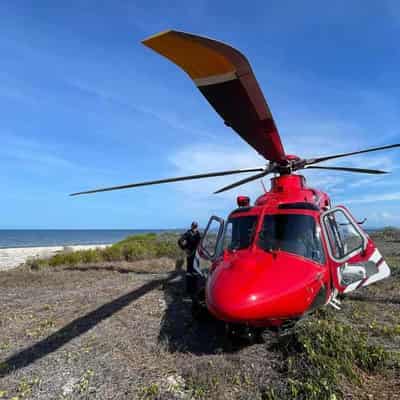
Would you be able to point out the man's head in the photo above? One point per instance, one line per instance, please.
(194, 226)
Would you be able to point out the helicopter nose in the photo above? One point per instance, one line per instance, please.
(257, 290)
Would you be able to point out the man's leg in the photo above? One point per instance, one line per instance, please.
(190, 276)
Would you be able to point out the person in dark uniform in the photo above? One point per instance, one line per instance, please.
(189, 242)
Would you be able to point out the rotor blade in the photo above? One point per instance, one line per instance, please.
(361, 170)
(224, 76)
(168, 180)
(311, 161)
(242, 182)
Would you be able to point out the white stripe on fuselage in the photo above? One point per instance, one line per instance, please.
(383, 272)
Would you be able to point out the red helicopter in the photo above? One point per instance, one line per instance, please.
(289, 253)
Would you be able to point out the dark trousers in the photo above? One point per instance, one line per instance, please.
(191, 277)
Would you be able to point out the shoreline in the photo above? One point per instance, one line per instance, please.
(40, 246)
(14, 256)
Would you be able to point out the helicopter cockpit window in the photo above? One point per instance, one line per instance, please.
(239, 232)
(345, 239)
(293, 233)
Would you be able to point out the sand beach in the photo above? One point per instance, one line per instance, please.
(13, 257)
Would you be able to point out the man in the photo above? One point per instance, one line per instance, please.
(189, 242)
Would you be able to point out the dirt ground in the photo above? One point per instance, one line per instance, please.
(125, 331)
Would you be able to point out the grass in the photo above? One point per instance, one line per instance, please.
(133, 248)
(389, 233)
(317, 359)
(394, 264)
(322, 353)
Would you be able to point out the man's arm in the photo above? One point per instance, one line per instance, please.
(183, 241)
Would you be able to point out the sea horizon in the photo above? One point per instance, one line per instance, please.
(21, 238)
(30, 237)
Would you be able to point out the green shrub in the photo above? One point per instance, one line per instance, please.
(321, 353)
(69, 258)
(132, 248)
(111, 253)
(36, 263)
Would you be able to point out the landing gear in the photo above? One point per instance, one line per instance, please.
(253, 335)
(244, 333)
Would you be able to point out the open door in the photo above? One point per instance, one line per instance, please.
(209, 247)
(356, 260)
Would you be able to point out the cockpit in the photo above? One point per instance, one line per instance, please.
(239, 232)
(293, 233)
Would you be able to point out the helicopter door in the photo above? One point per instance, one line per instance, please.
(209, 247)
(357, 262)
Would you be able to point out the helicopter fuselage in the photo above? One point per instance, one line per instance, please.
(273, 261)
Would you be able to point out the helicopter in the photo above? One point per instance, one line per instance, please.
(290, 252)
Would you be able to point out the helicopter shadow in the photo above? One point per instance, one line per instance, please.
(112, 268)
(181, 332)
(78, 327)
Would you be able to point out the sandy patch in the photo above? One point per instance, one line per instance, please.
(11, 258)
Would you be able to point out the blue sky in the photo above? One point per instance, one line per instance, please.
(84, 104)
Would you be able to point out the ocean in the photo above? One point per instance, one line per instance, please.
(64, 237)
(10, 238)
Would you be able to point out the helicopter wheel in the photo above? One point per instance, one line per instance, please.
(266, 335)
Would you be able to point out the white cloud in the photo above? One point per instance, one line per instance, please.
(41, 156)
(371, 198)
(198, 198)
(166, 117)
(208, 157)
(24, 149)
(201, 158)
(378, 219)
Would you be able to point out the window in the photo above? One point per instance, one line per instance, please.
(212, 233)
(239, 232)
(293, 233)
(344, 237)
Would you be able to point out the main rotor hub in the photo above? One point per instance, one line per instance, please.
(289, 164)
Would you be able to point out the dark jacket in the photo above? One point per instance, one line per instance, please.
(189, 241)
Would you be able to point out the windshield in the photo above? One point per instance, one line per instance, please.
(294, 233)
(239, 232)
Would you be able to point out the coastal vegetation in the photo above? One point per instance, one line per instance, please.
(389, 233)
(323, 353)
(132, 248)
